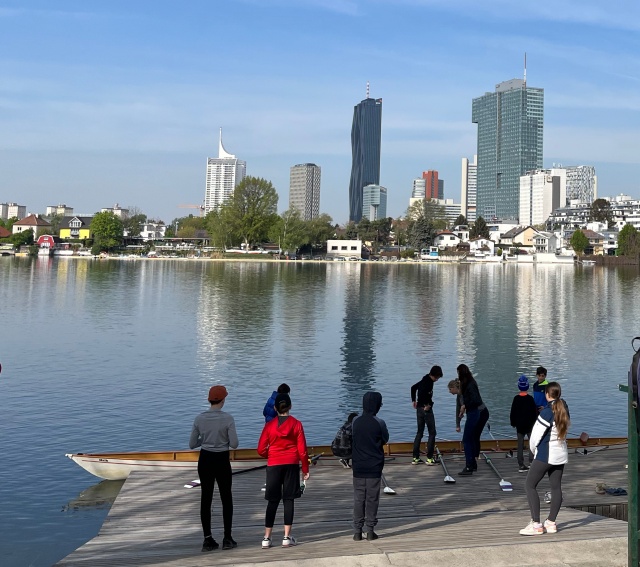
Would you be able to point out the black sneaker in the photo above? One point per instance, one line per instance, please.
(523, 468)
(372, 535)
(357, 536)
(474, 467)
(466, 471)
(228, 543)
(209, 544)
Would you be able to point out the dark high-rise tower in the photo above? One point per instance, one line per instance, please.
(366, 134)
(510, 127)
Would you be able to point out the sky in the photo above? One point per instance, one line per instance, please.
(114, 101)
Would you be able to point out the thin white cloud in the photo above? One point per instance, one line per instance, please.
(346, 7)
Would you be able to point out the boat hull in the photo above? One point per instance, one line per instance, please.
(118, 466)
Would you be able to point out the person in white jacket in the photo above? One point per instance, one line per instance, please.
(548, 441)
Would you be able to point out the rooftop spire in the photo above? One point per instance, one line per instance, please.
(222, 153)
(367, 89)
(525, 69)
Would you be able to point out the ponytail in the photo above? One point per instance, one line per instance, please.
(560, 413)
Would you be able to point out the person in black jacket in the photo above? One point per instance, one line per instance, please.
(370, 434)
(477, 417)
(524, 413)
(422, 399)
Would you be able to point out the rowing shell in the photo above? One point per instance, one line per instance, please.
(118, 466)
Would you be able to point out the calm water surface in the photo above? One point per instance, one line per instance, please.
(119, 355)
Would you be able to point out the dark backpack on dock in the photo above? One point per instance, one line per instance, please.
(342, 444)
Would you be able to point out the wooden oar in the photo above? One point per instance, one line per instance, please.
(504, 485)
(448, 479)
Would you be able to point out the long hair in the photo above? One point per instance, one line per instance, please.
(465, 377)
(560, 413)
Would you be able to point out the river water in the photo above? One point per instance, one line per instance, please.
(118, 355)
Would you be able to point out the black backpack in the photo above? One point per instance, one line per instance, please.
(342, 443)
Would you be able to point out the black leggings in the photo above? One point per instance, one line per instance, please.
(212, 468)
(272, 508)
(536, 473)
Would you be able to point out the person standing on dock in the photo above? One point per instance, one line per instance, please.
(454, 388)
(269, 411)
(422, 399)
(477, 417)
(370, 435)
(284, 445)
(215, 432)
(539, 388)
(549, 443)
(522, 416)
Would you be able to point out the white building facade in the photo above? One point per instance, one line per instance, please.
(344, 248)
(304, 190)
(11, 210)
(469, 189)
(61, 210)
(374, 202)
(223, 174)
(541, 193)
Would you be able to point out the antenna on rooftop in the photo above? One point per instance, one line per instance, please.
(525, 69)
(367, 89)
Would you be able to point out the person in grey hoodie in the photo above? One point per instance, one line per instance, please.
(370, 434)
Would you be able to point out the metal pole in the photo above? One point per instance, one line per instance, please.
(633, 512)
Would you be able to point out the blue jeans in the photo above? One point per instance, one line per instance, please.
(476, 420)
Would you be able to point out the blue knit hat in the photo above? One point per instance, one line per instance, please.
(523, 383)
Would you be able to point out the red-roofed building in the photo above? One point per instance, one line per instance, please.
(33, 222)
(4, 233)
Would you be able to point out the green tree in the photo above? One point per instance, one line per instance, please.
(107, 230)
(216, 229)
(460, 220)
(289, 231)
(319, 230)
(133, 222)
(601, 212)
(251, 210)
(55, 220)
(579, 242)
(479, 229)
(426, 217)
(23, 238)
(351, 231)
(8, 223)
(628, 241)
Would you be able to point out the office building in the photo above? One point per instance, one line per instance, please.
(468, 189)
(419, 189)
(374, 202)
(61, 210)
(451, 209)
(223, 174)
(12, 210)
(582, 183)
(304, 190)
(541, 193)
(431, 184)
(116, 210)
(510, 130)
(366, 136)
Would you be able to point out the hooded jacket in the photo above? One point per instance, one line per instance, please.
(269, 411)
(539, 391)
(370, 434)
(284, 444)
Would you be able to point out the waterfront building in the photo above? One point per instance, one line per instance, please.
(510, 131)
(12, 210)
(541, 193)
(624, 210)
(61, 210)
(366, 137)
(498, 227)
(344, 248)
(304, 190)
(374, 202)
(468, 189)
(32, 222)
(152, 231)
(116, 210)
(75, 227)
(223, 174)
(446, 239)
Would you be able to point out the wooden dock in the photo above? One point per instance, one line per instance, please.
(155, 520)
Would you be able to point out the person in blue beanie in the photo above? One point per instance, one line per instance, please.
(269, 410)
(523, 416)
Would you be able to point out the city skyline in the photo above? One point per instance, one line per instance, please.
(121, 102)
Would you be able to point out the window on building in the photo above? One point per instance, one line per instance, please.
(334, 248)
(343, 247)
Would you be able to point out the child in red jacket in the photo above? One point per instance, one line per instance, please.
(284, 445)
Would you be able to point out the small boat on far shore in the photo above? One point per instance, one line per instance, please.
(587, 262)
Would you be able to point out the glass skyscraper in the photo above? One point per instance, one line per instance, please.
(510, 128)
(366, 134)
(304, 190)
(374, 202)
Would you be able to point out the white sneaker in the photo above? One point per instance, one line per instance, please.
(550, 527)
(266, 543)
(533, 528)
(288, 541)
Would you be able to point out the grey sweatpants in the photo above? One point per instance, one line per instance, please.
(366, 497)
(534, 476)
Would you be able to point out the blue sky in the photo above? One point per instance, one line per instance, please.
(120, 101)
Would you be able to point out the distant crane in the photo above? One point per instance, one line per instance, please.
(201, 207)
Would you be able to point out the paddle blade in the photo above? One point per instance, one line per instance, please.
(449, 479)
(505, 486)
(388, 490)
(193, 484)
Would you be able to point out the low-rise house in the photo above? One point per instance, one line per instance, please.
(78, 228)
(462, 232)
(481, 245)
(545, 242)
(520, 236)
(152, 231)
(346, 248)
(446, 239)
(32, 222)
(4, 233)
(596, 242)
(498, 228)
